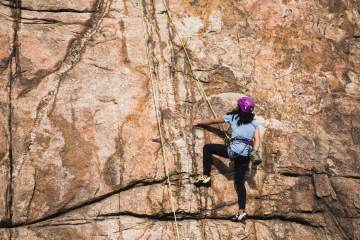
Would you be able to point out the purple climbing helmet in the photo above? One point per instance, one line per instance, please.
(246, 104)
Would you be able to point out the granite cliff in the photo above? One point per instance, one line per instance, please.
(80, 153)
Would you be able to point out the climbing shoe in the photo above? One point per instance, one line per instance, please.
(203, 180)
(239, 217)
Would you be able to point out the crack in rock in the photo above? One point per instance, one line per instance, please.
(51, 10)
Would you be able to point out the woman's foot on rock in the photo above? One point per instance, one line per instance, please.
(203, 181)
(239, 217)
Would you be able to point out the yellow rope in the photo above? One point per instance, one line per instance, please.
(198, 83)
(157, 104)
(158, 120)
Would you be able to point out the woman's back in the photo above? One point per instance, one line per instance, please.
(245, 130)
(242, 130)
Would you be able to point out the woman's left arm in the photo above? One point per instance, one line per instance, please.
(257, 139)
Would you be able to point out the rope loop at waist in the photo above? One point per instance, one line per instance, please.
(241, 139)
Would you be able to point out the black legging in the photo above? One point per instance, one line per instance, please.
(241, 165)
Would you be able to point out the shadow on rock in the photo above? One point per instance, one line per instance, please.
(223, 168)
(250, 177)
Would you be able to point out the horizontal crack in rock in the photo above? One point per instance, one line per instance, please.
(54, 10)
(135, 184)
(182, 216)
(346, 176)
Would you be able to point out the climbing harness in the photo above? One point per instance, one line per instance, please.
(238, 139)
(156, 100)
(241, 139)
(254, 155)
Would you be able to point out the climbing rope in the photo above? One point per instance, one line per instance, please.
(191, 66)
(183, 45)
(156, 100)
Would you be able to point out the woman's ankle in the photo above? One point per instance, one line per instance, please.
(241, 211)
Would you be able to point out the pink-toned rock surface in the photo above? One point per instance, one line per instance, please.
(83, 160)
(7, 61)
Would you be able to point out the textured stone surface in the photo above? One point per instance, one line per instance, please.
(7, 60)
(323, 186)
(83, 159)
(135, 228)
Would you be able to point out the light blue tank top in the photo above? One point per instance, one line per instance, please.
(243, 130)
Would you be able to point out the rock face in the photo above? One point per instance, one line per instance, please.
(80, 150)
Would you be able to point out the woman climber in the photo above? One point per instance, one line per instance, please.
(245, 141)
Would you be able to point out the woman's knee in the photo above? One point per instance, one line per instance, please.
(207, 147)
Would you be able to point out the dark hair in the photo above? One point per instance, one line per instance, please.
(243, 117)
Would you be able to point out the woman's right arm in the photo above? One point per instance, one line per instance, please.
(208, 121)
